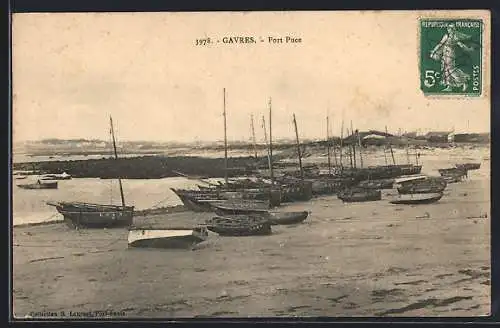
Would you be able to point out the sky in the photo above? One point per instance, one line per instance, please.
(71, 71)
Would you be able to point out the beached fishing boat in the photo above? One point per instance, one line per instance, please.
(39, 185)
(240, 225)
(414, 199)
(91, 215)
(197, 200)
(359, 195)
(282, 218)
(174, 237)
(21, 177)
(420, 184)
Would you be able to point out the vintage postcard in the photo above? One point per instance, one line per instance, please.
(251, 164)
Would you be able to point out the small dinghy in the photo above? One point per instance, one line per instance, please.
(179, 237)
(39, 185)
(282, 218)
(240, 225)
(412, 199)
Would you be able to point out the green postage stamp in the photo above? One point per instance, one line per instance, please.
(451, 56)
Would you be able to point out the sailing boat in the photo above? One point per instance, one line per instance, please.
(89, 215)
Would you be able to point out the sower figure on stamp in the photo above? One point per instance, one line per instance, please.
(446, 52)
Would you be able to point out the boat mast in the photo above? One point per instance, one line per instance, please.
(341, 144)
(271, 141)
(267, 145)
(328, 145)
(385, 153)
(407, 149)
(225, 139)
(360, 147)
(333, 146)
(116, 158)
(349, 147)
(253, 136)
(298, 147)
(390, 147)
(353, 145)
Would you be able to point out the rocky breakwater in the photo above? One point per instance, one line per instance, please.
(144, 167)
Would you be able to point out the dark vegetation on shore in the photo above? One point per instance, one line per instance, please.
(161, 166)
(144, 167)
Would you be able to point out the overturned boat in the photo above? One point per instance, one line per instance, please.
(39, 185)
(359, 195)
(414, 199)
(174, 237)
(240, 225)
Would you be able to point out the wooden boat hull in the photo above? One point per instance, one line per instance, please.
(296, 191)
(407, 190)
(240, 208)
(326, 186)
(415, 199)
(455, 171)
(240, 225)
(37, 186)
(368, 195)
(192, 198)
(287, 217)
(81, 215)
(176, 238)
(197, 206)
(425, 185)
(377, 184)
(469, 166)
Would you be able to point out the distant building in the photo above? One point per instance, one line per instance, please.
(437, 136)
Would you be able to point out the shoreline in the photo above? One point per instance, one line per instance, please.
(160, 166)
(137, 214)
(366, 259)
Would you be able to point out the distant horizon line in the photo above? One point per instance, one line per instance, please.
(248, 140)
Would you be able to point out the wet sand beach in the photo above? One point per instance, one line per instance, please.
(364, 259)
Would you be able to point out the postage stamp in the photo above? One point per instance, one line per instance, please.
(451, 56)
(225, 164)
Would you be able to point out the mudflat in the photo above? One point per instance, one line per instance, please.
(359, 259)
